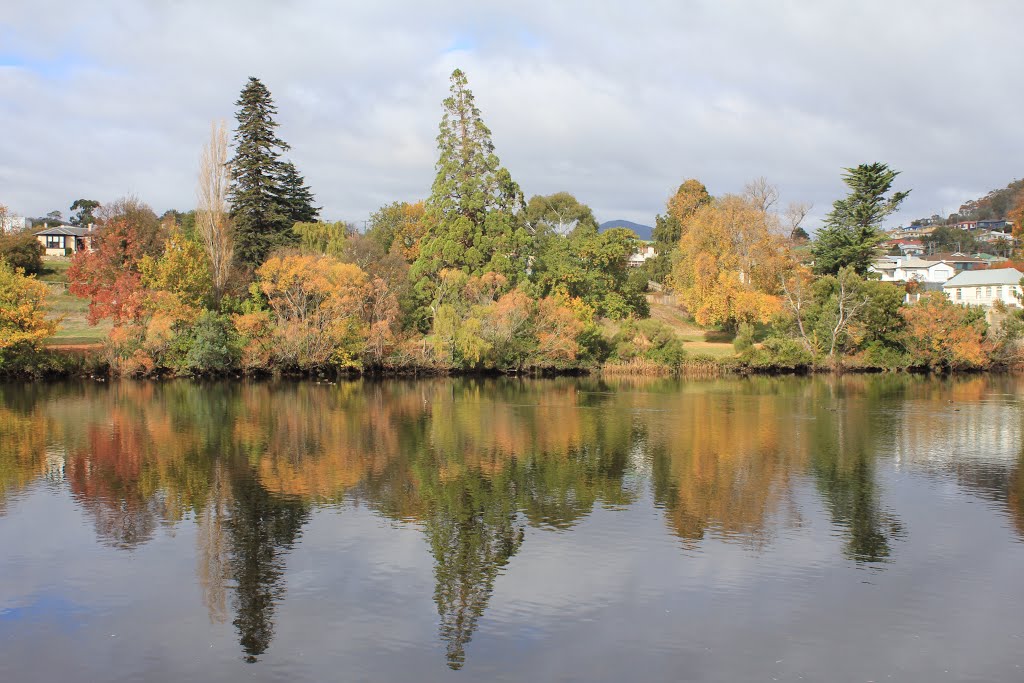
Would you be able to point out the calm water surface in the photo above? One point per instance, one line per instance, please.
(855, 529)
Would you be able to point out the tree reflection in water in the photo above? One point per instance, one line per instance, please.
(474, 463)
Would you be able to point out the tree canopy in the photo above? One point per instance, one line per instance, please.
(475, 212)
(853, 229)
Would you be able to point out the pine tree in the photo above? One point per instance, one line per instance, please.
(853, 229)
(296, 196)
(476, 212)
(262, 206)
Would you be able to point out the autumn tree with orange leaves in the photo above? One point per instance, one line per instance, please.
(110, 275)
(942, 335)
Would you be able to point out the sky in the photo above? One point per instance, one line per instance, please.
(615, 102)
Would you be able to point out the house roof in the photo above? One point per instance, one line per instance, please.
(918, 263)
(65, 230)
(955, 258)
(997, 276)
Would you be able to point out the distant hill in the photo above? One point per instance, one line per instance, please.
(644, 232)
(996, 204)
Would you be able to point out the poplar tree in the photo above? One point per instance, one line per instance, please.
(853, 229)
(476, 212)
(267, 195)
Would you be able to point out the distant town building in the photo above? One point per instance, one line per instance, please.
(65, 240)
(906, 246)
(909, 269)
(960, 261)
(985, 287)
(640, 257)
(10, 223)
(994, 224)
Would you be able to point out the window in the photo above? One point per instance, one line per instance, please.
(999, 292)
(55, 241)
(959, 294)
(977, 292)
(988, 291)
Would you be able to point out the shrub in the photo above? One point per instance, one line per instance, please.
(22, 250)
(777, 353)
(210, 346)
(744, 340)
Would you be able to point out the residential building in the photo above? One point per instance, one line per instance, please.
(10, 223)
(985, 287)
(909, 268)
(967, 225)
(65, 240)
(959, 260)
(993, 224)
(645, 252)
(906, 246)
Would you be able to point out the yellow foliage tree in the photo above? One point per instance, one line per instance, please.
(23, 323)
(183, 270)
(316, 303)
(731, 263)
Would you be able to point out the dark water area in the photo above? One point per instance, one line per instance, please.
(816, 529)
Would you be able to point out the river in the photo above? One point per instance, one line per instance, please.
(820, 529)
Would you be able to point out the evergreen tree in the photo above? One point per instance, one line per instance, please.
(296, 196)
(476, 212)
(853, 229)
(266, 194)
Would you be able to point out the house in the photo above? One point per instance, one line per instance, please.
(906, 246)
(959, 261)
(909, 269)
(993, 224)
(967, 225)
(65, 240)
(640, 257)
(985, 287)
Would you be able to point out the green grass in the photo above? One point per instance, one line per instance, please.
(74, 327)
(54, 270)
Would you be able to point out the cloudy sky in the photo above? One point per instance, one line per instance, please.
(616, 102)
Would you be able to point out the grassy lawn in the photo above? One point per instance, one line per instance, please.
(55, 270)
(74, 328)
(695, 339)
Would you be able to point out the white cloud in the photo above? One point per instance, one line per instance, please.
(615, 102)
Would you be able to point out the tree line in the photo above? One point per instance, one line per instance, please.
(477, 278)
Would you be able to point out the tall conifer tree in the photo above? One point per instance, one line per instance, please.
(268, 196)
(476, 212)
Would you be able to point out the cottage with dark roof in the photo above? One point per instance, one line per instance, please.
(65, 240)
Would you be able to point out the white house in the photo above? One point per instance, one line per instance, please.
(11, 223)
(909, 268)
(640, 257)
(985, 287)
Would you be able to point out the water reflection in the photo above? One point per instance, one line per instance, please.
(476, 463)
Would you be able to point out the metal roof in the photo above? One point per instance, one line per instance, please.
(998, 276)
(65, 230)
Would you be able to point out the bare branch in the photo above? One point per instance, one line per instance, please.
(212, 217)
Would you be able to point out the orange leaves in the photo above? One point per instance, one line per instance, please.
(945, 335)
(559, 326)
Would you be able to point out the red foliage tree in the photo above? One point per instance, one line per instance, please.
(109, 275)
